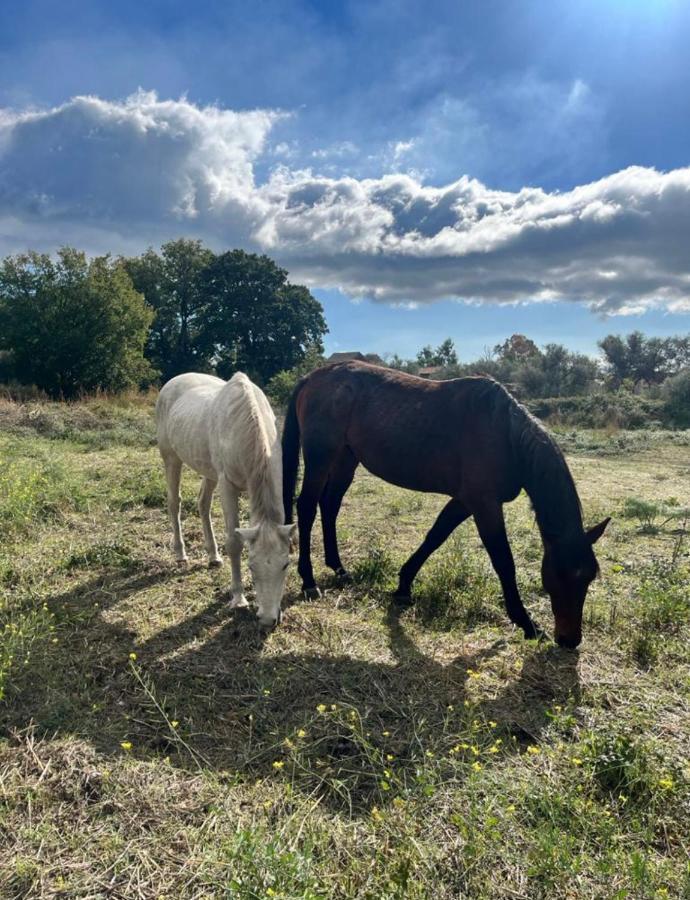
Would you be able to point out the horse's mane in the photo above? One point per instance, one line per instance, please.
(259, 446)
(544, 472)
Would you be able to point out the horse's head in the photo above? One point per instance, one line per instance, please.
(567, 570)
(268, 546)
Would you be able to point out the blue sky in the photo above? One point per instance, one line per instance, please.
(351, 129)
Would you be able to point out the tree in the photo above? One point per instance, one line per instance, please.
(641, 359)
(555, 372)
(71, 325)
(516, 348)
(676, 394)
(444, 355)
(254, 319)
(172, 284)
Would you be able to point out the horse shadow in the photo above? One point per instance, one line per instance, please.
(214, 691)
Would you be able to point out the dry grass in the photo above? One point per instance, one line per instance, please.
(157, 744)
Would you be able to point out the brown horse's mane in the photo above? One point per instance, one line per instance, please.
(544, 472)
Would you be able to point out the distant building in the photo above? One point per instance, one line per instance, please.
(430, 371)
(372, 358)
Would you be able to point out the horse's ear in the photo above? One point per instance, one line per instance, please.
(247, 535)
(288, 531)
(596, 531)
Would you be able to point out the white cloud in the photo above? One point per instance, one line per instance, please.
(121, 176)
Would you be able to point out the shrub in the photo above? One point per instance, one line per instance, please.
(648, 512)
(280, 387)
(676, 399)
(620, 409)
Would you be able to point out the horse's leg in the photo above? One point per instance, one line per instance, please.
(492, 530)
(233, 544)
(452, 514)
(339, 481)
(173, 474)
(317, 464)
(208, 486)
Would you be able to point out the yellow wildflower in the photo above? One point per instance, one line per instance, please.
(132, 656)
(390, 757)
(576, 761)
(174, 723)
(477, 766)
(278, 764)
(533, 750)
(126, 745)
(666, 783)
(301, 733)
(321, 708)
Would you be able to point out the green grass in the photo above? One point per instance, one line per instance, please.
(154, 743)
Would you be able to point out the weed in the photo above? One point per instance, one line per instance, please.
(375, 567)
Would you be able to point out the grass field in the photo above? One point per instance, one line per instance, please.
(154, 744)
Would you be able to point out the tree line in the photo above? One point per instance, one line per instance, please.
(70, 325)
(649, 369)
(635, 362)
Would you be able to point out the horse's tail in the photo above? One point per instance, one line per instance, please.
(291, 452)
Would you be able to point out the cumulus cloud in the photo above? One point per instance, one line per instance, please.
(124, 175)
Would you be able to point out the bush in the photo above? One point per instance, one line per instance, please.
(279, 389)
(676, 399)
(620, 409)
(648, 512)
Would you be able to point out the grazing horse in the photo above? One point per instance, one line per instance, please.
(226, 431)
(467, 438)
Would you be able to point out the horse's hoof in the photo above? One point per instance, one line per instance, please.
(182, 563)
(402, 600)
(535, 633)
(239, 602)
(343, 576)
(311, 593)
(215, 563)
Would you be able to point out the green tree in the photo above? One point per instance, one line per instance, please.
(72, 325)
(172, 284)
(255, 321)
(444, 355)
(643, 359)
(555, 372)
(676, 395)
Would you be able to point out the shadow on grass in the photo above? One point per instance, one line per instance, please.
(211, 692)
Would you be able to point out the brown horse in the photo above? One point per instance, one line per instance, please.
(467, 438)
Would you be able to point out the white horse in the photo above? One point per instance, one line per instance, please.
(226, 431)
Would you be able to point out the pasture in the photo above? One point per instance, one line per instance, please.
(156, 744)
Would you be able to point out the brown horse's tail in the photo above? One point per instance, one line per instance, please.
(291, 452)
